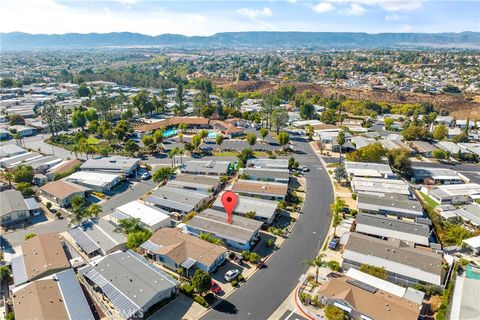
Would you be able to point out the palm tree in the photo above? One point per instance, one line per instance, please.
(93, 210)
(317, 262)
(173, 153)
(77, 148)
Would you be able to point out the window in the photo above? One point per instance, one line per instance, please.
(22, 215)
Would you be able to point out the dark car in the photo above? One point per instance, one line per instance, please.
(333, 243)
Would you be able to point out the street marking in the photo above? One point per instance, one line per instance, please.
(291, 313)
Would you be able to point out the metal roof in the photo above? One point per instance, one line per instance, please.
(73, 296)
(83, 241)
(31, 204)
(19, 271)
(188, 263)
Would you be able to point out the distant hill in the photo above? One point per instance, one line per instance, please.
(260, 39)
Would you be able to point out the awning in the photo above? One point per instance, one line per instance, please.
(188, 263)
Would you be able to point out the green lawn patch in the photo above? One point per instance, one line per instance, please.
(429, 200)
(92, 140)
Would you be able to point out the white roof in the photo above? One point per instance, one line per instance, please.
(460, 189)
(376, 282)
(93, 177)
(473, 242)
(148, 215)
(379, 185)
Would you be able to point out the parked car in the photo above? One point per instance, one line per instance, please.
(215, 288)
(305, 169)
(333, 243)
(231, 274)
(146, 175)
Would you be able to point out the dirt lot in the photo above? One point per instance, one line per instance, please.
(459, 107)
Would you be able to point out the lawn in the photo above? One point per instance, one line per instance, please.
(92, 140)
(429, 200)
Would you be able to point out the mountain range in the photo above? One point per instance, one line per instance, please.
(257, 39)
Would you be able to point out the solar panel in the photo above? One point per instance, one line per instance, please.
(362, 285)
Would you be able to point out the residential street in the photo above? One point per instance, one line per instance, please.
(269, 287)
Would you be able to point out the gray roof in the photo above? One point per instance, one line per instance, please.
(470, 212)
(422, 146)
(393, 224)
(19, 159)
(93, 235)
(268, 163)
(175, 198)
(113, 163)
(396, 256)
(32, 204)
(128, 280)
(361, 142)
(9, 149)
(19, 271)
(215, 222)
(266, 173)
(207, 167)
(193, 181)
(36, 163)
(11, 201)
(436, 173)
(394, 144)
(73, 296)
(262, 208)
(389, 202)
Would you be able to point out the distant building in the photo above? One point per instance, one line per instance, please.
(175, 200)
(455, 193)
(98, 181)
(436, 175)
(267, 163)
(422, 147)
(379, 186)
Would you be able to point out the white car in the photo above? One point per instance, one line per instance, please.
(146, 175)
(231, 274)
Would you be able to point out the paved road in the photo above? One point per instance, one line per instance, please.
(270, 286)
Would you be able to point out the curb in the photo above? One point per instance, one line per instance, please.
(299, 306)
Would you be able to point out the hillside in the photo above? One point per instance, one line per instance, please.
(260, 39)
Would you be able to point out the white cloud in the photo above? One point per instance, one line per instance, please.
(395, 17)
(323, 7)
(387, 5)
(128, 2)
(255, 13)
(355, 10)
(51, 17)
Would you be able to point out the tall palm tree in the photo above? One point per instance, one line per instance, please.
(7, 175)
(172, 154)
(317, 262)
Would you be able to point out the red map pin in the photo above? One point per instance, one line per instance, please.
(229, 201)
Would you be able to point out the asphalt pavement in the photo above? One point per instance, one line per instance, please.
(261, 295)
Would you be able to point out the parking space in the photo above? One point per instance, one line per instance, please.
(291, 315)
(219, 275)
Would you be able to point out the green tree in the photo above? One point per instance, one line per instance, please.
(269, 104)
(341, 139)
(243, 156)
(179, 99)
(83, 90)
(374, 271)
(335, 313)
(93, 126)
(279, 119)
(219, 139)
(440, 154)
(317, 262)
(328, 116)
(23, 173)
(79, 119)
(149, 142)
(263, 133)
(158, 136)
(251, 139)
(399, 160)
(136, 238)
(131, 147)
(203, 134)
(163, 174)
(103, 104)
(108, 135)
(196, 141)
(93, 210)
(371, 153)
(16, 119)
(77, 203)
(55, 117)
(129, 225)
(25, 188)
(283, 138)
(388, 123)
(210, 238)
(9, 176)
(140, 101)
(440, 132)
(285, 92)
(307, 111)
(201, 281)
(91, 114)
(416, 132)
(4, 273)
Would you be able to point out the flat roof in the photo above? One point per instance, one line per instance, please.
(147, 214)
(268, 163)
(208, 166)
(193, 181)
(117, 163)
(459, 189)
(262, 208)
(380, 221)
(100, 179)
(379, 185)
(176, 198)
(389, 202)
(212, 221)
(260, 187)
(266, 173)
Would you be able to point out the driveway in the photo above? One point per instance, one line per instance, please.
(261, 295)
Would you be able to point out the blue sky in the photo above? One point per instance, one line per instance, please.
(208, 17)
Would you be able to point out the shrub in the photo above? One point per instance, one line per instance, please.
(210, 298)
(240, 278)
(317, 303)
(186, 288)
(29, 236)
(234, 283)
(335, 313)
(354, 196)
(269, 243)
(201, 301)
(305, 298)
(49, 205)
(333, 265)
